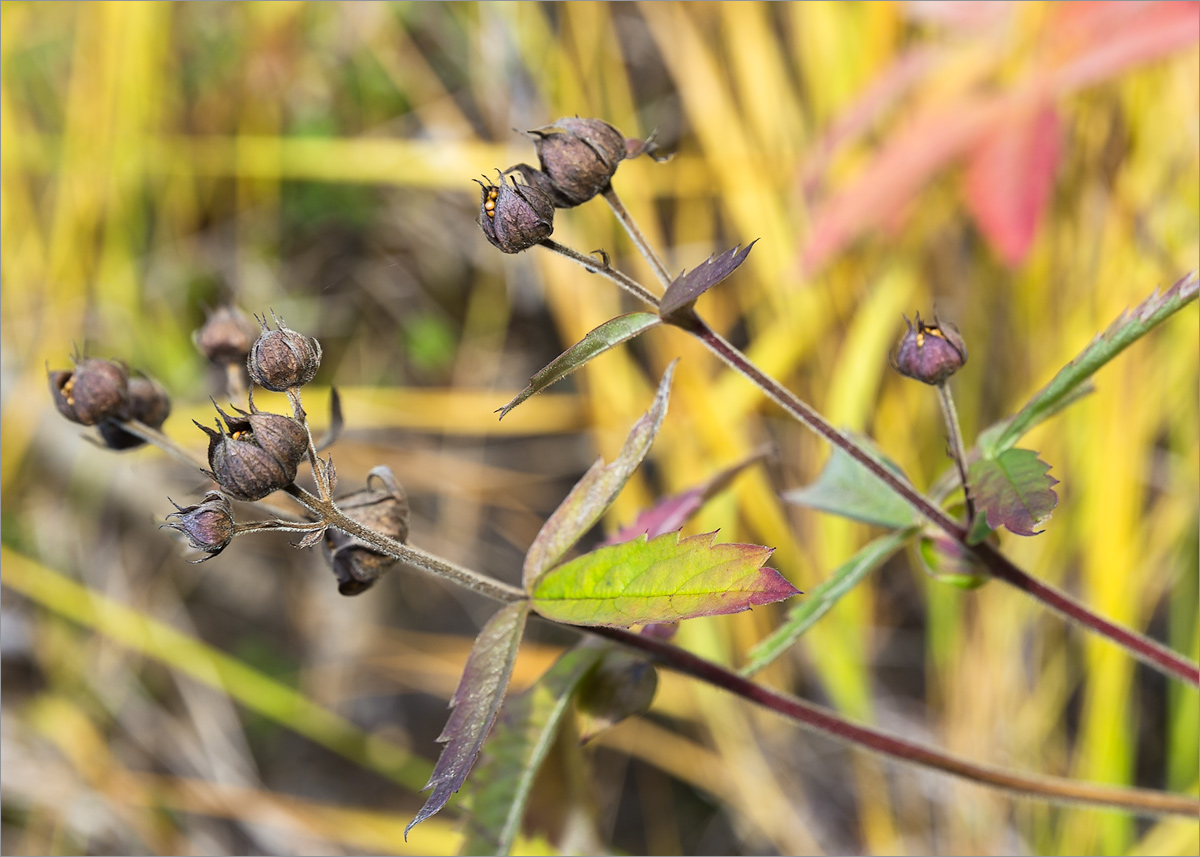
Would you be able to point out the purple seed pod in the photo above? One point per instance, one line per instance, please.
(148, 403)
(929, 353)
(226, 336)
(514, 217)
(94, 391)
(208, 526)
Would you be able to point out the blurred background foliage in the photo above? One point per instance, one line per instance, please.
(1028, 170)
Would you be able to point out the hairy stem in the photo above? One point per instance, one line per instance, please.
(957, 450)
(427, 562)
(1148, 651)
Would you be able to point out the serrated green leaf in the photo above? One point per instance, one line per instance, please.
(848, 489)
(1067, 386)
(660, 580)
(475, 703)
(1014, 490)
(608, 335)
(821, 600)
(595, 492)
(513, 755)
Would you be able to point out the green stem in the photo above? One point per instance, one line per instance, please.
(957, 450)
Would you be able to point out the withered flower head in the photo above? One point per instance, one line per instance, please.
(383, 508)
(148, 403)
(94, 391)
(208, 526)
(226, 335)
(513, 216)
(579, 157)
(281, 359)
(259, 453)
(929, 353)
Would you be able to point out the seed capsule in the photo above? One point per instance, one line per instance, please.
(226, 336)
(94, 391)
(281, 359)
(929, 353)
(208, 526)
(513, 216)
(259, 454)
(383, 508)
(148, 403)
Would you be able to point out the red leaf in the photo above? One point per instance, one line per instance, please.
(1097, 41)
(1010, 177)
(893, 177)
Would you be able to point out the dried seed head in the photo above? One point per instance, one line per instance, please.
(383, 508)
(208, 526)
(148, 403)
(578, 159)
(281, 359)
(259, 453)
(513, 216)
(226, 336)
(94, 391)
(929, 353)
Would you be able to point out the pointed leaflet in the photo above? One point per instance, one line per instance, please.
(608, 335)
(690, 285)
(594, 493)
(848, 489)
(661, 580)
(1014, 490)
(821, 600)
(475, 703)
(514, 753)
(1067, 384)
(672, 513)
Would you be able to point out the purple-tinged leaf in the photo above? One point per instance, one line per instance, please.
(595, 492)
(518, 746)
(608, 335)
(622, 685)
(820, 601)
(1069, 383)
(661, 580)
(847, 488)
(1014, 489)
(672, 513)
(475, 703)
(690, 285)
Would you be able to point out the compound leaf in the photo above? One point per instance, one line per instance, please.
(659, 580)
(608, 335)
(595, 492)
(1014, 490)
(475, 703)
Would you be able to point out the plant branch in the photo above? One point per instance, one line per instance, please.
(328, 512)
(825, 722)
(957, 450)
(639, 240)
(1146, 650)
